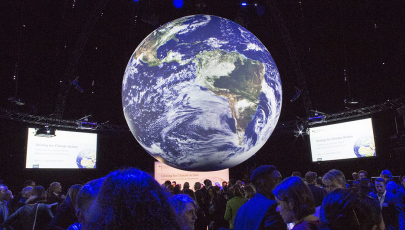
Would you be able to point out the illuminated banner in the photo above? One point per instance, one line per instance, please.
(68, 150)
(353, 139)
(164, 172)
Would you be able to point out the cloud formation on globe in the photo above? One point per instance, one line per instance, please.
(201, 93)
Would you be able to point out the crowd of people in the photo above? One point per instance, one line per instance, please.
(131, 199)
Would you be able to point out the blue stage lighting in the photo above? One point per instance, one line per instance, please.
(136, 0)
(244, 4)
(178, 3)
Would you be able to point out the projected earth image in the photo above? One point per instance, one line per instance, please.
(201, 93)
(86, 159)
(364, 147)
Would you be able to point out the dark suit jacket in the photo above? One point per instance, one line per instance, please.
(259, 213)
(318, 193)
(26, 216)
(52, 198)
(401, 195)
(392, 212)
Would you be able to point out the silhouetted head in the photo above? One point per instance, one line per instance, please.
(362, 174)
(296, 173)
(346, 209)
(334, 179)
(131, 199)
(186, 185)
(310, 177)
(3, 192)
(38, 195)
(176, 189)
(250, 191)
(237, 191)
(71, 196)
(197, 186)
(85, 198)
(30, 183)
(265, 178)
(207, 183)
(295, 199)
(386, 175)
(55, 187)
(26, 192)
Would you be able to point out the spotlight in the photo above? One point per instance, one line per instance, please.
(243, 4)
(301, 131)
(45, 132)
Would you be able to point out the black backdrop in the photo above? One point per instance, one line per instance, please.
(120, 149)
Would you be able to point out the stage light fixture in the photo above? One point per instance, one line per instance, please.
(45, 131)
(87, 125)
(243, 4)
(297, 94)
(351, 101)
(17, 101)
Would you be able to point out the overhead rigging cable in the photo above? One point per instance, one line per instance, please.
(17, 66)
(345, 74)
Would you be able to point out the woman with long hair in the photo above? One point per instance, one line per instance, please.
(216, 209)
(346, 209)
(66, 213)
(35, 214)
(296, 203)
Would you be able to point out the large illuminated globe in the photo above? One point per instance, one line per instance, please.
(201, 93)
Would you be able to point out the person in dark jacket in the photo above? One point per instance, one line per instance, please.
(66, 213)
(35, 214)
(318, 193)
(401, 191)
(19, 200)
(390, 184)
(260, 211)
(391, 208)
(200, 223)
(54, 196)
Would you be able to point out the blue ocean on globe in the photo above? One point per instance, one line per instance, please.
(201, 93)
(364, 147)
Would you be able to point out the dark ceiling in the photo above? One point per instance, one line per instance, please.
(38, 37)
